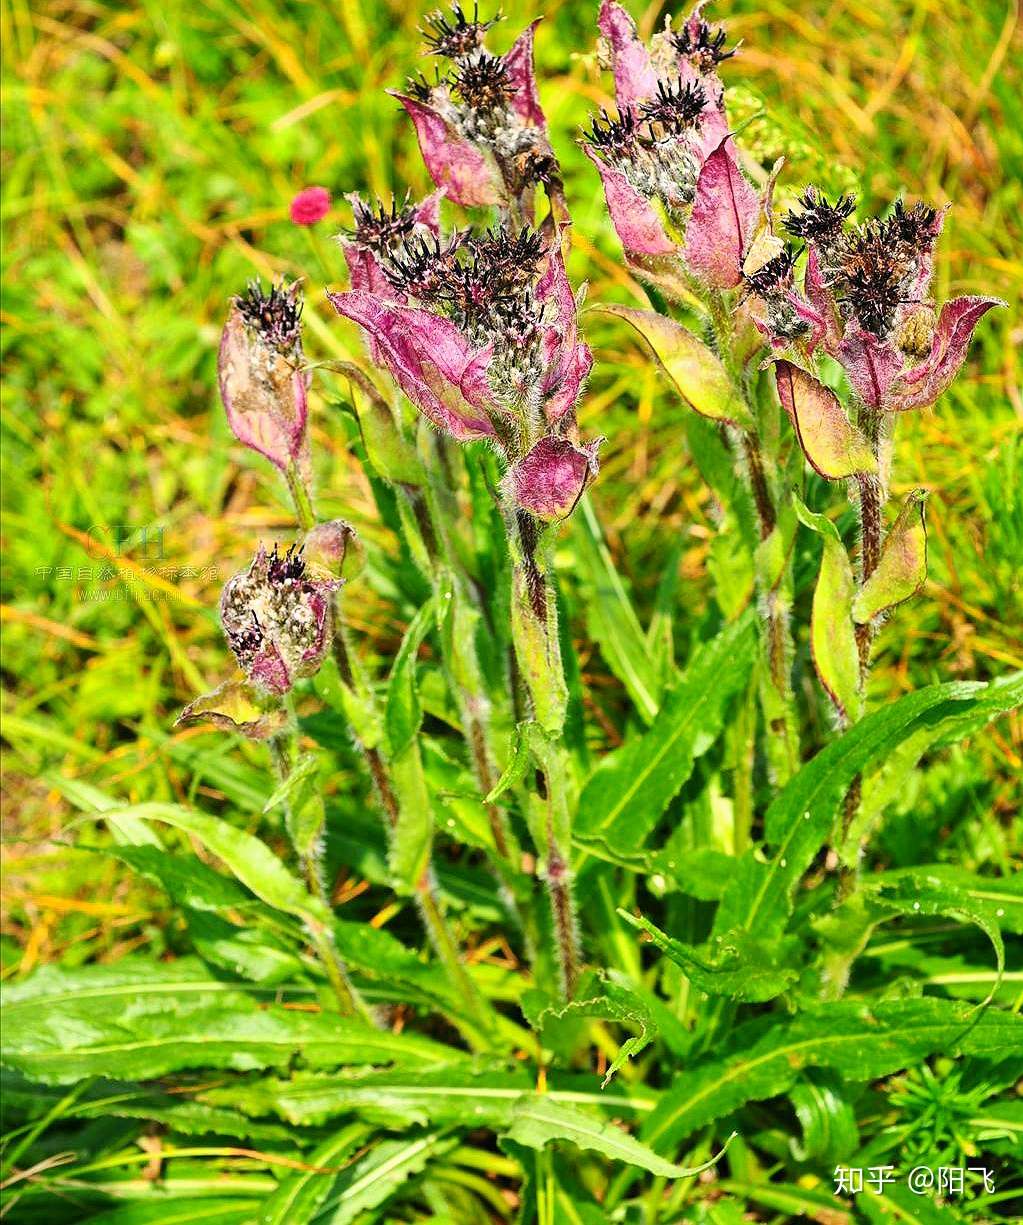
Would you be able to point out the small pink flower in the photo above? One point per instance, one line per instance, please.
(310, 205)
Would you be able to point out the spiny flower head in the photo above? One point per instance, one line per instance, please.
(483, 85)
(277, 620)
(458, 37)
(818, 219)
(676, 107)
(380, 229)
(274, 316)
(704, 47)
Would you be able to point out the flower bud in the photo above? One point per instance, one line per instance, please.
(262, 384)
(277, 619)
(333, 551)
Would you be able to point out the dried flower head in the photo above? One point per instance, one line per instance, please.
(275, 317)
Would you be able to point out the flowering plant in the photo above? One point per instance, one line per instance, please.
(543, 892)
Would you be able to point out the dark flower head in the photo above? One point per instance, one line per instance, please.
(914, 226)
(458, 37)
(874, 273)
(381, 229)
(676, 108)
(275, 317)
(421, 266)
(699, 43)
(819, 220)
(483, 84)
(614, 137)
(277, 620)
(773, 276)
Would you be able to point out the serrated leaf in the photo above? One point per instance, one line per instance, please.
(834, 446)
(615, 1002)
(538, 1120)
(832, 636)
(697, 373)
(625, 796)
(142, 1018)
(902, 567)
(861, 1041)
(800, 819)
(737, 966)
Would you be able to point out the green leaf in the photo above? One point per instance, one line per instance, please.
(902, 567)
(834, 446)
(251, 861)
(887, 783)
(800, 819)
(738, 966)
(616, 1002)
(611, 617)
(187, 881)
(623, 799)
(141, 1018)
(998, 899)
(861, 1041)
(387, 1169)
(518, 761)
(919, 892)
(828, 1120)
(163, 1209)
(832, 636)
(301, 1195)
(699, 377)
(404, 714)
(538, 1120)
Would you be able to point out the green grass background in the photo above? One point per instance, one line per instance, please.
(150, 152)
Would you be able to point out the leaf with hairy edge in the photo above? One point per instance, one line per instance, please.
(143, 1018)
(538, 1120)
(301, 793)
(697, 373)
(917, 892)
(404, 713)
(388, 1168)
(614, 1002)
(998, 899)
(886, 783)
(737, 966)
(611, 617)
(832, 636)
(164, 1209)
(236, 706)
(457, 1094)
(625, 796)
(902, 568)
(300, 1196)
(800, 819)
(833, 445)
(251, 861)
(861, 1041)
